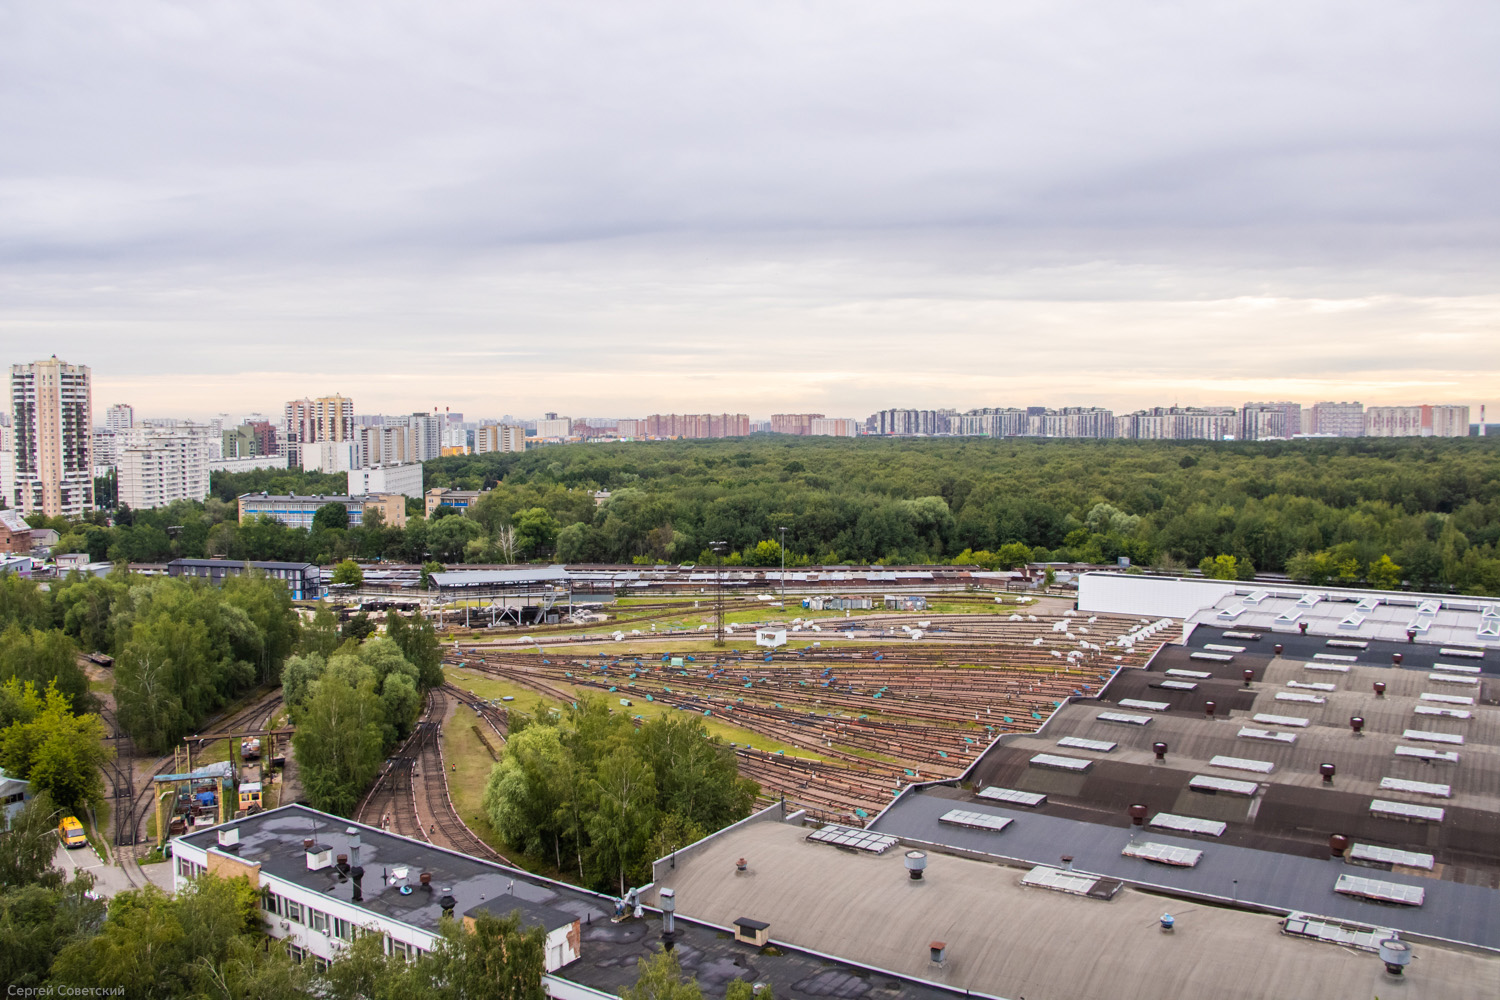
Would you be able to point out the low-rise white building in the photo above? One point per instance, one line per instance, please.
(325, 880)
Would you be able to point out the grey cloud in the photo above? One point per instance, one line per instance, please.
(686, 187)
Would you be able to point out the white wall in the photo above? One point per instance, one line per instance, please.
(404, 479)
(1149, 596)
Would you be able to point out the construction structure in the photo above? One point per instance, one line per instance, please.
(507, 596)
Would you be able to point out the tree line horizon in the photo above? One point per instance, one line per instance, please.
(1422, 513)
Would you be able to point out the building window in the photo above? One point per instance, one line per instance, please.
(343, 929)
(318, 921)
(320, 964)
(296, 953)
(293, 911)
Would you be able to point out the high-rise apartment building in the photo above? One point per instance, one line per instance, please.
(426, 437)
(499, 437)
(1180, 423)
(159, 464)
(52, 416)
(1270, 421)
(794, 423)
(833, 427)
(1417, 421)
(554, 427)
(119, 417)
(307, 421)
(1338, 419)
(911, 423)
(696, 425)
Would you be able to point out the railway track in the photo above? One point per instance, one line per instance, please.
(412, 790)
(391, 803)
(131, 837)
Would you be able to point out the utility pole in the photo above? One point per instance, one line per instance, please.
(719, 548)
(783, 567)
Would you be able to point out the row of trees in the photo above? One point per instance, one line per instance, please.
(587, 789)
(352, 703)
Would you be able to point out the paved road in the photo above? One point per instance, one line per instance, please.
(108, 879)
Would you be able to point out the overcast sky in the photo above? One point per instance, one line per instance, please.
(621, 208)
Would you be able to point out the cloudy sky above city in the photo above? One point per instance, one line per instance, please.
(617, 209)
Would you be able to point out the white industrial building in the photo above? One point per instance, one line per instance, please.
(324, 880)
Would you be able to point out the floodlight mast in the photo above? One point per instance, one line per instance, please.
(719, 548)
(783, 566)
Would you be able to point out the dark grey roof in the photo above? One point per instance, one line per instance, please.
(1452, 911)
(274, 840)
(609, 951)
(239, 563)
(1295, 646)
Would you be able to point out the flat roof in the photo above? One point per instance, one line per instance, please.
(240, 563)
(609, 951)
(1009, 940)
(274, 840)
(498, 577)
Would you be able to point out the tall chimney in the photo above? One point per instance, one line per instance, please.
(357, 873)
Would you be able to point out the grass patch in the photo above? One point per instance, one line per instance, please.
(469, 767)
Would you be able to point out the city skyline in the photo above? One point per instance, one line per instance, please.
(758, 210)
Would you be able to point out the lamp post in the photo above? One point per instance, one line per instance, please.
(719, 548)
(783, 567)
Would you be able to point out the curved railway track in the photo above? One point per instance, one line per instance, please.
(410, 797)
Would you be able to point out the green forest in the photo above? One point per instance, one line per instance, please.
(1420, 513)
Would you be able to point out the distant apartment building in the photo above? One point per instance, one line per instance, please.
(630, 429)
(1072, 422)
(158, 464)
(992, 422)
(403, 479)
(330, 456)
(1417, 421)
(910, 423)
(380, 445)
(309, 421)
(103, 448)
(697, 425)
(554, 428)
(1337, 419)
(7, 459)
(833, 427)
(1270, 421)
(1180, 423)
(119, 417)
(52, 419)
(499, 437)
(460, 500)
(794, 423)
(425, 437)
(297, 511)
